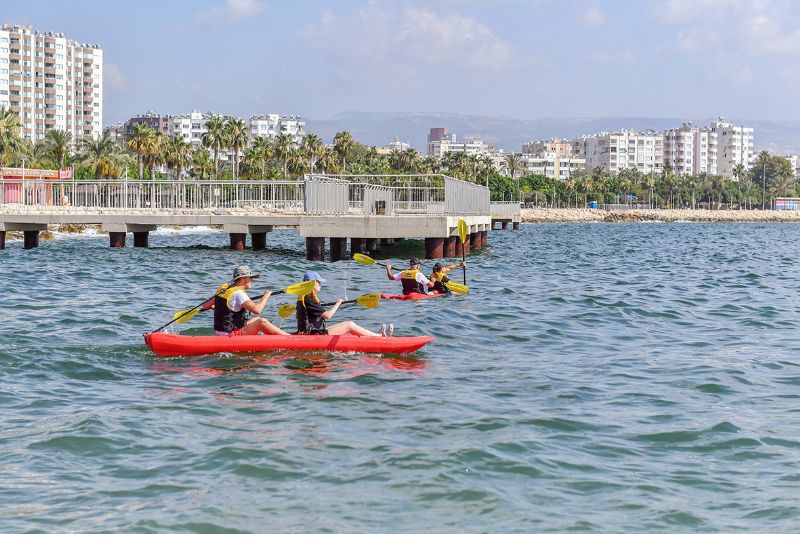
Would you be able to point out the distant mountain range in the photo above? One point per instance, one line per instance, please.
(379, 129)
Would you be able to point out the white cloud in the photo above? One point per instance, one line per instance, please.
(603, 58)
(231, 11)
(593, 17)
(683, 11)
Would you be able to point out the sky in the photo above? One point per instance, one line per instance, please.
(525, 59)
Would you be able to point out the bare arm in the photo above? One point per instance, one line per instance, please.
(389, 273)
(328, 314)
(256, 309)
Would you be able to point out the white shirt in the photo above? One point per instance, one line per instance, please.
(235, 304)
(419, 277)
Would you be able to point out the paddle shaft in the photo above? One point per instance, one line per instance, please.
(464, 261)
(187, 312)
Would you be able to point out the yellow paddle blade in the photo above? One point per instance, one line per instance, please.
(370, 300)
(462, 230)
(286, 310)
(455, 287)
(184, 316)
(303, 288)
(363, 259)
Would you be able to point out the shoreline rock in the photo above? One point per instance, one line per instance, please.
(581, 215)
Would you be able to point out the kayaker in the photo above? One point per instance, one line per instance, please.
(412, 278)
(231, 305)
(439, 276)
(311, 316)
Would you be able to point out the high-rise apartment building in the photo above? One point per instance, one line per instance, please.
(561, 148)
(734, 146)
(625, 149)
(273, 125)
(52, 82)
(474, 147)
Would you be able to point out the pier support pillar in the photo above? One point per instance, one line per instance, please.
(516, 226)
(475, 240)
(450, 247)
(484, 237)
(115, 239)
(141, 239)
(387, 242)
(372, 244)
(358, 245)
(462, 249)
(434, 247)
(505, 225)
(2, 240)
(315, 248)
(259, 240)
(238, 241)
(338, 248)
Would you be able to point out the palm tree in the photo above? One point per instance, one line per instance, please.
(296, 161)
(10, 135)
(58, 143)
(103, 156)
(283, 148)
(236, 136)
(201, 165)
(142, 141)
(343, 145)
(214, 139)
(738, 173)
(177, 154)
(328, 161)
(313, 148)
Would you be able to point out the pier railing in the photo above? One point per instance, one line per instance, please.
(315, 195)
(505, 208)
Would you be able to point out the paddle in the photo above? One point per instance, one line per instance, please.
(455, 287)
(184, 316)
(462, 235)
(370, 300)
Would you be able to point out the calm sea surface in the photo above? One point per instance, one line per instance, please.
(599, 378)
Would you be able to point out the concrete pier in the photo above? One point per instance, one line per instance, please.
(116, 239)
(315, 248)
(259, 240)
(338, 248)
(31, 239)
(358, 245)
(462, 249)
(238, 241)
(475, 240)
(450, 246)
(2, 240)
(434, 248)
(141, 239)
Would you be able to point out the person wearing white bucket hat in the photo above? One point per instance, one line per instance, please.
(231, 305)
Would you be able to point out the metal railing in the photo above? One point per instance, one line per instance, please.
(509, 208)
(315, 195)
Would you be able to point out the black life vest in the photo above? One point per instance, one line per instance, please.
(226, 320)
(309, 316)
(409, 280)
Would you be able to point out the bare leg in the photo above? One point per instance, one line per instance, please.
(349, 327)
(259, 324)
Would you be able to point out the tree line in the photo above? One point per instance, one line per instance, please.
(148, 152)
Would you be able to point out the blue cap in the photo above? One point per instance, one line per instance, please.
(312, 275)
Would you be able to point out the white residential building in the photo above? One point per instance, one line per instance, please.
(555, 146)
(273, 125)
(691, 150)
(471, 148)
(734, 146)
(552, 165)
(625, 149)
(52, 82)
(397, 145)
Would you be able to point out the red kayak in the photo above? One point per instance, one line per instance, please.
(164, 344)
(412, 296)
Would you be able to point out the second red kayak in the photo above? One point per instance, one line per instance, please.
(164, 344)
(412, 296)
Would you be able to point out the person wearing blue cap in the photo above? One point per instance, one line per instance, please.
(312, 317)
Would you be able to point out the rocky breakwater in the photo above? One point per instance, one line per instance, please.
(562, 215)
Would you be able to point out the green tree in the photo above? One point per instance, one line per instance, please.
(313, 148)
(214, 138)
(142, 141)
(344, 145)
(236, 137)
(58, 144)
(102, 157)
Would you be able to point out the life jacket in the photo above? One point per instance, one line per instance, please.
(439, 280)
(409, 280)
(226, 320)
(312, 323)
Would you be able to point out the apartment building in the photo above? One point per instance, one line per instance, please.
(625, 149)
(561, 148)
(552, 165)
(273, 125)
(471, 148)
(52, 82)
(734, 146)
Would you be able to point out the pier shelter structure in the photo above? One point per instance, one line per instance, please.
(367, 210)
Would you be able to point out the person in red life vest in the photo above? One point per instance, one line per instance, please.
(231, 305)
(311, 316)
(439, 276)
(412, 278)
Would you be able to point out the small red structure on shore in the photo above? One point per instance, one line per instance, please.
(37, 184)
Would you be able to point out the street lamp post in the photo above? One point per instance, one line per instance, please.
(764, 190)
(22, 185)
